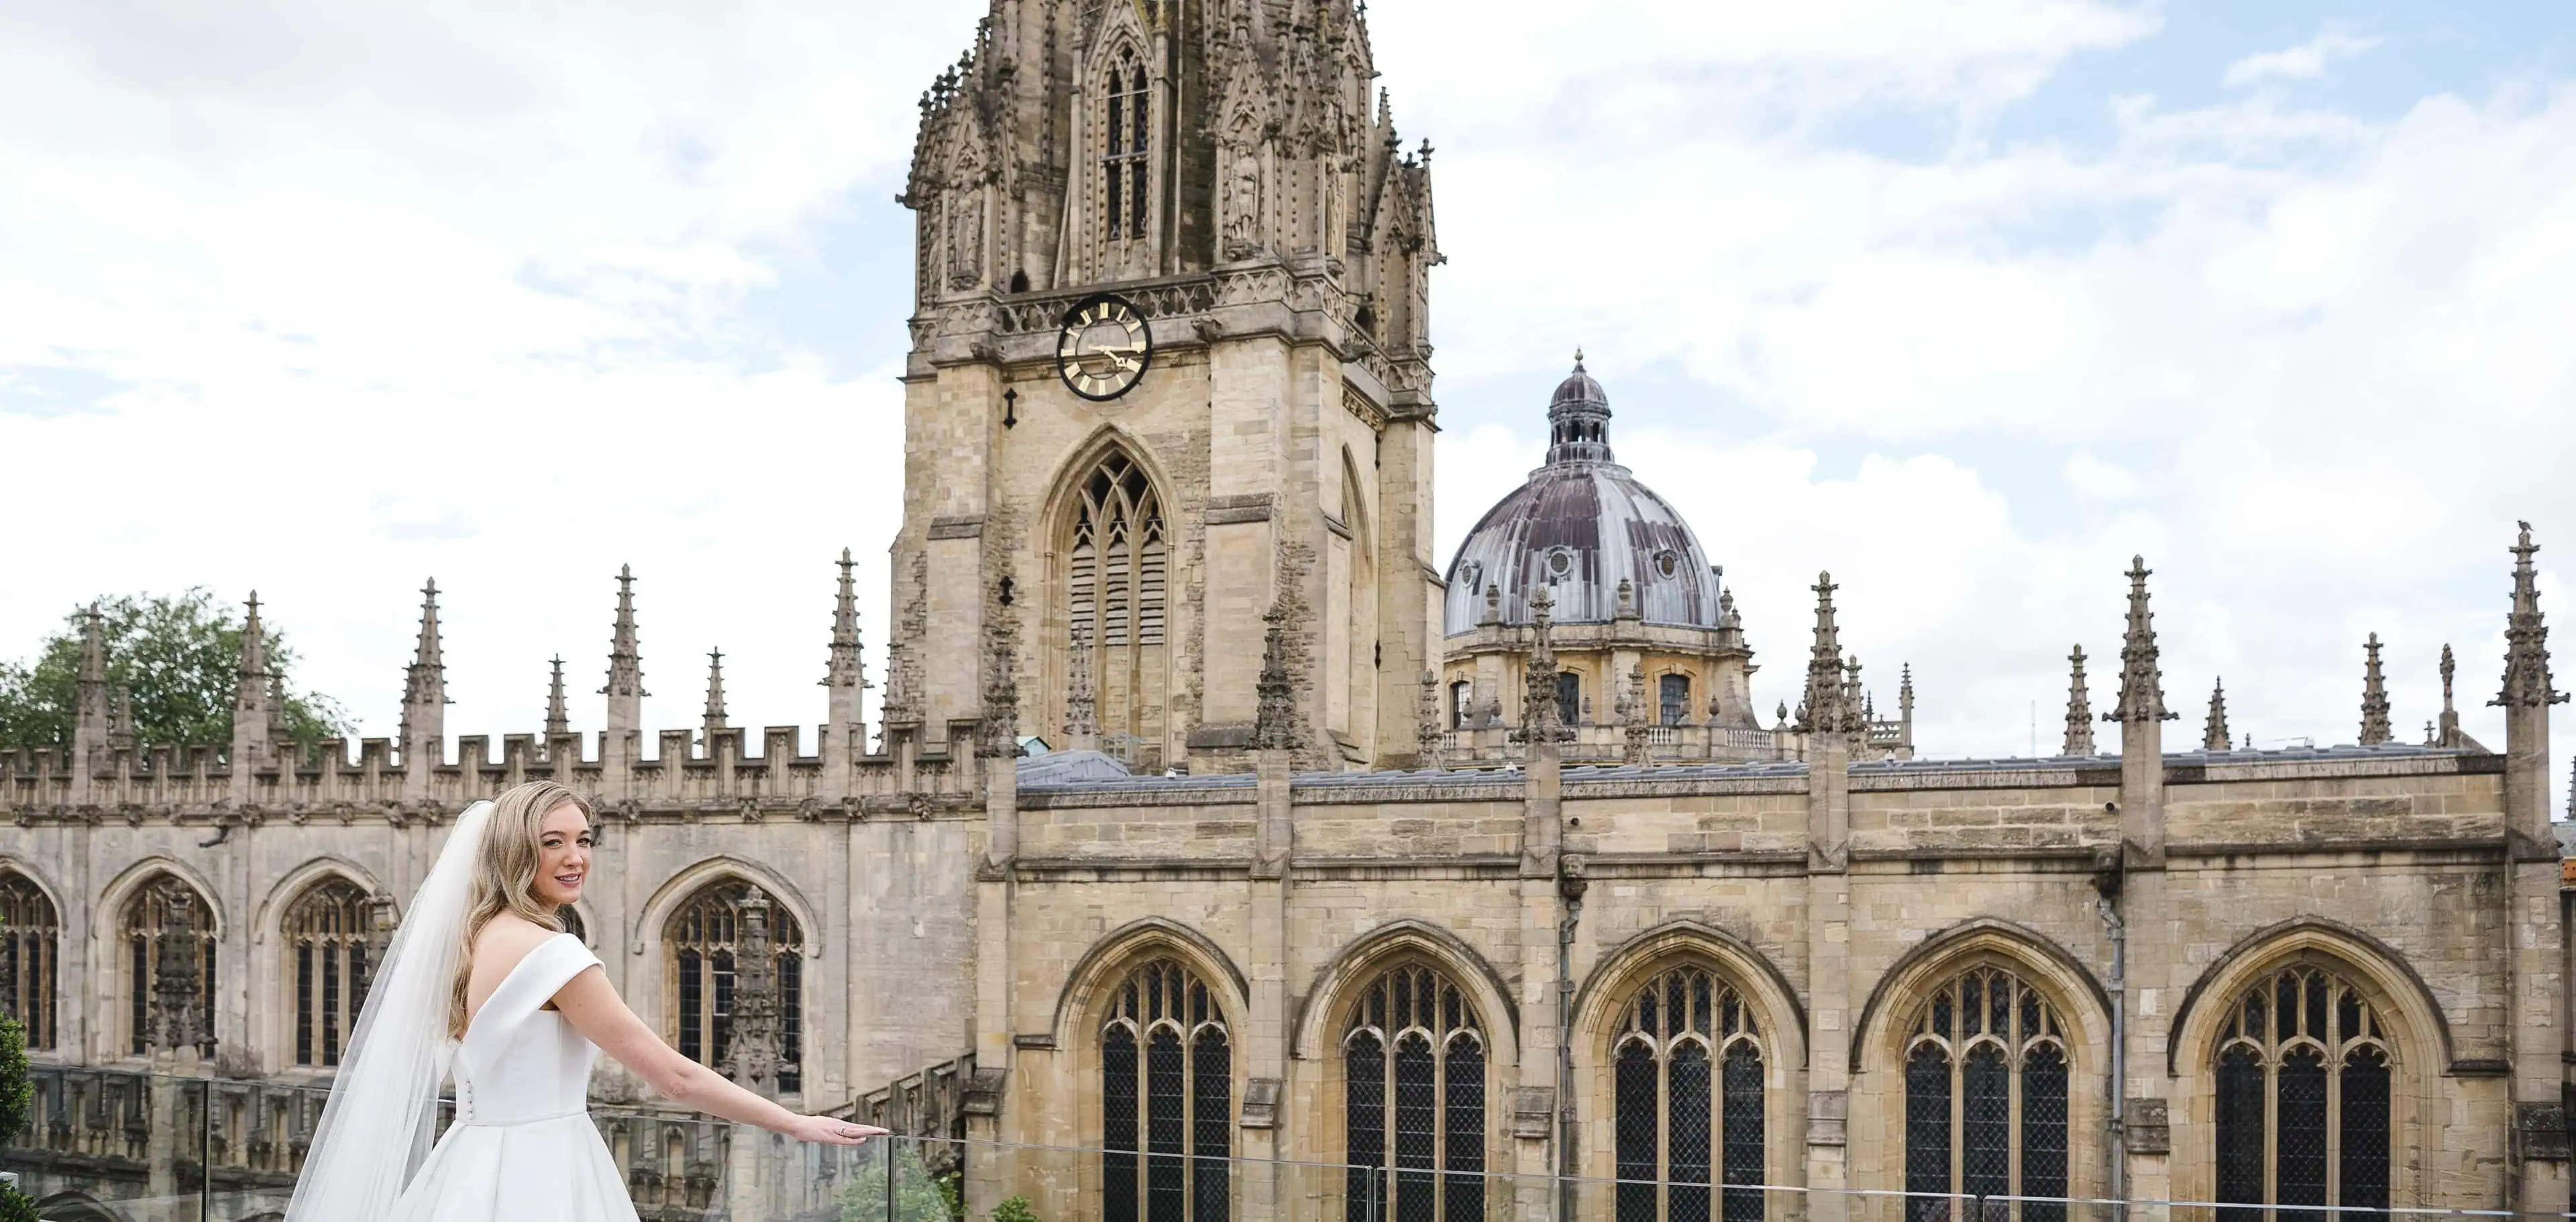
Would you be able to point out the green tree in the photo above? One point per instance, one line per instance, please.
(918, 1195)
(16, 1094)
(179, 656)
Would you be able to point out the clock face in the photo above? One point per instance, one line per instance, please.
(1104, 347)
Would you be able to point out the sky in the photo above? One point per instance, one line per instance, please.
(1967, 302)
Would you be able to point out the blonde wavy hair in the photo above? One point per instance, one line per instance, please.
(505, 873)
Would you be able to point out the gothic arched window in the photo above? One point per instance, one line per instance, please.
(327, 962)
(1413, 1058)
(1985, 1097)
(1166, 1090)
(1118, 576)
(2303, 1098)
(168, 932)
(1688, 1097)
(712, 945)
(30, 939)
(1129, 133)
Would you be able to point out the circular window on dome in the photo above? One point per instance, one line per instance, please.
(1668, 562)
(1560, 562)
(1472, 575)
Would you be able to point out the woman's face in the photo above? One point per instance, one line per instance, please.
(563, 855)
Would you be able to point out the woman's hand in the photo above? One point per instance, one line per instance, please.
(830, 1131)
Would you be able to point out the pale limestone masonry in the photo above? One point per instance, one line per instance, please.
(964, 929)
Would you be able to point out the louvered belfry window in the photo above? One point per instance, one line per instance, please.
(1129, 133)
(1986, 1099)
(326, 947)
(1413, 1108)
(1117, 588)
(30, 940)
(1167, 1100)
(1688, 1086)
(2302, 1082)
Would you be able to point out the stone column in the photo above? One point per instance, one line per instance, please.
(1263, 1194)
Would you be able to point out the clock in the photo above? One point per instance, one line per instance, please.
(1104, 348)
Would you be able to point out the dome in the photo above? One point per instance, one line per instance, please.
(1579, 526)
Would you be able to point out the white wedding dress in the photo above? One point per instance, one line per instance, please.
(522, 1147)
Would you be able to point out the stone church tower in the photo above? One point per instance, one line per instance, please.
(1226, 171)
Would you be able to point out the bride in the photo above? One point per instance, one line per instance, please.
(481, 981)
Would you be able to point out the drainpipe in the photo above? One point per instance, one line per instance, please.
(2108, 881)
(1569, 887)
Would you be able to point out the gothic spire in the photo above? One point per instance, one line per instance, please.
(425, 680)
(93, 660)
(1427, 729)
(2374, 697)
(2142, 688)
(1001, 727)
(625, 662)
(558, 717)
(2079, 709)
(2526, 637)
(715, 715)
(254, 657)
(2213, 735)
(846, 668)
(1826, 709)
(1633, 724)
(1274, 710)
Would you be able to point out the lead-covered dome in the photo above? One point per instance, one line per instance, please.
(1580, 525)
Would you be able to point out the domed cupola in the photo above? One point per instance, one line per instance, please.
(1584, 527)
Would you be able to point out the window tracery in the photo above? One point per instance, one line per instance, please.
(327, 965)
(705, 944)
(1986, 1097)
(1167, 1085)
(2303, 1093)
(1687, 1067)
(1413, 1056)
(1117, 592)
(168, 932)
(30, 941)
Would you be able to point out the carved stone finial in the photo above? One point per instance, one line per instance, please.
(558, 714)
(715, 714)
(625, 660)
(2374, 697)
(1081, 701)
(754, 1055)
(1429, 732)
(2213, 734)
(2527, 681)
(1542, 718)
(1633, 723)
(1826, 708)
(2079, 708)
(1000, 737)
(1274, 721)
(2142, 685)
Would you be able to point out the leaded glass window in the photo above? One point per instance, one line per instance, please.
(30, 939)
(1986, 1097)
(326, 949)
(1167, 1099)
(1688, 1097)
(1413, 1118)
(168, 930)
(702, 947)
(2303, 1093)
(1673, 695)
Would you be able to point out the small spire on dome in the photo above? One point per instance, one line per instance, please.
(1578, 360)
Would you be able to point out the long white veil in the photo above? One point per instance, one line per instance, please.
(376, 1128)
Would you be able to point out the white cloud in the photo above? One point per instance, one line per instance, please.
(2304, 62)
(325, 299)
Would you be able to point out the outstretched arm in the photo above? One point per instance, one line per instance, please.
(593, 1007)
